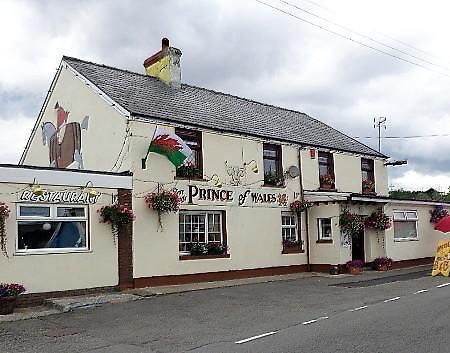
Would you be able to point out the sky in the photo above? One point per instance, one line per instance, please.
(342, 62)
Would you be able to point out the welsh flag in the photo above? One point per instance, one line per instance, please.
(169, 145)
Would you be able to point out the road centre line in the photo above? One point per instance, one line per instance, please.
(256, 337)
(391, 300)
(443, 285)
(315, 320)
(421, 291)
(359, 308)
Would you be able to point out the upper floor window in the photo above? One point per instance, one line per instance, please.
(193, 166)
(273, 170)
(326, 170)
(368, 175)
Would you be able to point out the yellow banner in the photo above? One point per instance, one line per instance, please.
(442, 259)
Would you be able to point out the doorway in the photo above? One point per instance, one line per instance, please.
(358, 246)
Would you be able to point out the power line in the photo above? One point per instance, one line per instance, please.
(402, 137)
(374, 30)
(351, 39)
(364, 36)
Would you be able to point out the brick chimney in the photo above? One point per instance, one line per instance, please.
(165, 64)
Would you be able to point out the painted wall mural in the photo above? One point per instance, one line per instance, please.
(64, 140)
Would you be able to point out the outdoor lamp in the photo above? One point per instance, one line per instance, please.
(36, 188)
(253, 166)
(218, 182)
(89, 189)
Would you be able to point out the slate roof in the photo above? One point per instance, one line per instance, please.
(148, 97)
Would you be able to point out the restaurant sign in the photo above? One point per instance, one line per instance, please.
(77, 197)
(242, 197)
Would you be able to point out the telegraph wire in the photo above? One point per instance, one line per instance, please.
(402, 137)
(351, 39)
(374, 30)
(363, 35)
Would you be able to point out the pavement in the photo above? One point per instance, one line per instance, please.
(407, 313)
(65, 304)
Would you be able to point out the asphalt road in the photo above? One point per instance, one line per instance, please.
(306, 315)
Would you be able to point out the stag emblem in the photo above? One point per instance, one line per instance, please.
(64, 140)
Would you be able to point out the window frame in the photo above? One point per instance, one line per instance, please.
(329, 164)
(278, 160)
(193, 136)
(320, 236)
(370, 170)
(223, 229)
(53, 217)
(406, 219)
(294, 226)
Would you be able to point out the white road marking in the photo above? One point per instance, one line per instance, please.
(359, 308)
(391, 300)
(421, 291)
(256, 337)
(443, 285)
(315, 320)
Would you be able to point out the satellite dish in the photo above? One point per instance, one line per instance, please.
(293, 171)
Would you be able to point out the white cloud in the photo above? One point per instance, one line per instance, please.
(250, 50)
(412, 180)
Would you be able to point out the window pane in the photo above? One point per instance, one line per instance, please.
(43, 234)
(323, 169)
(325, 225)
(399, 216)
(405, 230)
(70, 212)
(34, 211)
(411, 215)
(270, 166)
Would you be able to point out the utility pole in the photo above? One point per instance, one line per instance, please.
(380, 123)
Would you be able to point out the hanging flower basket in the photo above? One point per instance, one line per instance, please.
(299, 206)
(351, 223)
(163, 202)
(4, 213)
(378, 220)
(8, 297)
(438, 213)
(116, 215)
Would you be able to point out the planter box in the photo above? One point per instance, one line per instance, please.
(292, 251)
(383, 268)
(368, 191)
(7, 305)
(355, 270)
(326, 186)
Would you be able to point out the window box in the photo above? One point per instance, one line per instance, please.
(369, 191)
(324, 241)
(297, 250)
(202, 257)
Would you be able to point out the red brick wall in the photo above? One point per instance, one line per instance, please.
(125, 243)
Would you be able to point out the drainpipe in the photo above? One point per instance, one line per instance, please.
(302, 197)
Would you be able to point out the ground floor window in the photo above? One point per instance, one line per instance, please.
(405, 225)
(324, 228)
(51, 227)
(289, 227)
(201, 229)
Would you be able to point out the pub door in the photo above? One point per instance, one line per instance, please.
(358, 246)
